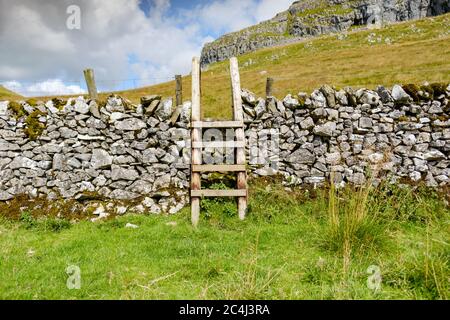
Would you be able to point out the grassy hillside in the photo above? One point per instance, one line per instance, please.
(6, 94)
(292, 246)
(409, 52)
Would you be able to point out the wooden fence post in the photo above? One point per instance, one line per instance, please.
(269, 85)
(179, 90)
(195, 137)
(90, 82)
(178, 98)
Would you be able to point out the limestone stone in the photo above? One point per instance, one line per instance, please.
(325, 130)
(399, 95)
(164, 110)
(3, 107)
(81, 106)
(101, 159)
(131, 124)
(328, 92)
(307, 124)
(118, 194)
(120, 173)
(290, 102)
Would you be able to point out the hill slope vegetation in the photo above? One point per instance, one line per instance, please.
(407, 52)
(6, 94)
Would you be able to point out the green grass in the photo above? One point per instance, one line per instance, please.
(294, 245)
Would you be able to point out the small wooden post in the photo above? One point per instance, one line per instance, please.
(196, 137)
(90, 82)
(240, 134)
(179, 90)
(269, 85)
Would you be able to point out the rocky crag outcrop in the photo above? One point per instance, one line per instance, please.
(309, 18)
(114, 151)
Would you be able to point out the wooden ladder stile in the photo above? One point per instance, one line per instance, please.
(241, 192)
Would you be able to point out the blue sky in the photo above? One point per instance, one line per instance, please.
(146, 5)
(127, 42)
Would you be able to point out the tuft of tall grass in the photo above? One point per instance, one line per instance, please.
(353, 225)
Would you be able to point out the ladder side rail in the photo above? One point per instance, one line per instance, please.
(196, 136)
(240, 134)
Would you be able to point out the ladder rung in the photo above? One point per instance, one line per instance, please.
(218, 167)
(217, 124)
(219, 193)
(218, 144)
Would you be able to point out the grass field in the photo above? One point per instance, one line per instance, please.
(298, 244)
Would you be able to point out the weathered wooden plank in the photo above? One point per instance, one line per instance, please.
(219, 168)
(178, 90)
(217, 124)
(217, 144)
(90, 83)
(269, 87)
(240, 134)
(219, 193)
(195, 137)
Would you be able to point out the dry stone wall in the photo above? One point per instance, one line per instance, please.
(352, 135)
(113, 150)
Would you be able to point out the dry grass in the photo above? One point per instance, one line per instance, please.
(6, 94)
(410, 52)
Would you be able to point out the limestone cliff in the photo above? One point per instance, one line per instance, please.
(309, 18)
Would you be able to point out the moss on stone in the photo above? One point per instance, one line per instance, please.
(34, 128)
(439, 89)
(428, 90)
(413, 91)
(58, 103)
(442, 117)
(128, 105)
(17, 110)
(41, 207)
(32, 102)
(302, 100)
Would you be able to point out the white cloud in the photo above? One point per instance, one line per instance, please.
(266, 9)
(12, 85)
(227, 15)
(48, 87)
(54, 86)
(233, 15)
(116, 39)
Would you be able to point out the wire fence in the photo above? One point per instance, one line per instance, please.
(75, 87)
(52, 87)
